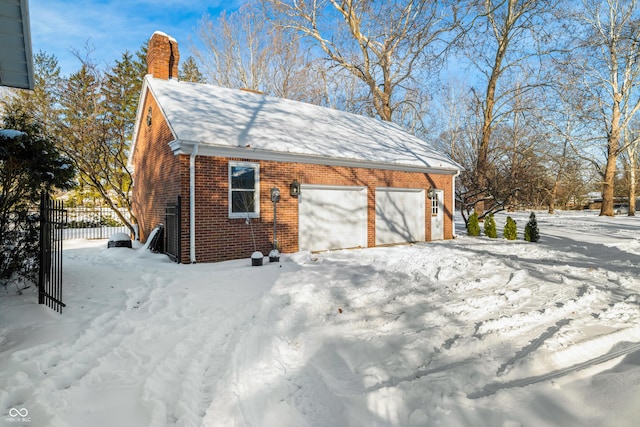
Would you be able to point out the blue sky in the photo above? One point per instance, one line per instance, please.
(113, 26)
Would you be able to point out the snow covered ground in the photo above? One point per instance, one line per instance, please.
(469, 332)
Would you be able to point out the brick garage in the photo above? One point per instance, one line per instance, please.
(226, 149)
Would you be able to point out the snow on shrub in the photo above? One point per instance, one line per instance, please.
(29, 165)
(531, 232)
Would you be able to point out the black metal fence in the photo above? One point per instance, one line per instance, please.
(52, 222)
(172, 230)
(93, 223)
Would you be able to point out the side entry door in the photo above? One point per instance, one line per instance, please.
(437, 215)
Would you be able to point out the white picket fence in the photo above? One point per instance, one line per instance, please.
(93, 223)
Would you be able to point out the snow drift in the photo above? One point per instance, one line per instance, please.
(469, 332)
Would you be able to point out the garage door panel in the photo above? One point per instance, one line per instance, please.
(400, 215)
(332, 217)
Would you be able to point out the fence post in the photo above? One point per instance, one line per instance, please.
(52, 221)
(43, 267)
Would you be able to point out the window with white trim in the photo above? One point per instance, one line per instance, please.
(434, 204)
(244, 190)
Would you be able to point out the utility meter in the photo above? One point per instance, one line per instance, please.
(275, 195)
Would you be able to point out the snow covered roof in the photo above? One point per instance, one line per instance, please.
(228, 122)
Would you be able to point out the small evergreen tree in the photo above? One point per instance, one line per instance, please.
(510, 229)
(531, 232)
(190, 72)
(473, 226)
(29, 164)
(490, 227)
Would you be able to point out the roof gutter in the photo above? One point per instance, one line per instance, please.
(192, 204)
(183, 147)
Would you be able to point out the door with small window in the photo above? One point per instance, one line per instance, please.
(437, 215)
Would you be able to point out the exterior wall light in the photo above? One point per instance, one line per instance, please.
(294, 188)
(431, 193)
(149, 116)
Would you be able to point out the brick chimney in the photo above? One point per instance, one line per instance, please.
(163, 56)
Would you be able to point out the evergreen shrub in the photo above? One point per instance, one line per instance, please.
(490, 227)
(531, 232)
(29, 165)
(473, 226)
(510, 231)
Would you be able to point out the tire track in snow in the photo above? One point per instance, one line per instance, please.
(57, 368)
(181, 387)
(48, 370)
(533, 345)
(493, 388)
(395, 381)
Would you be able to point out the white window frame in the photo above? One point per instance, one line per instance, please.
(256, 191)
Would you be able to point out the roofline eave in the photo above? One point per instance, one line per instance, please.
(186, 147)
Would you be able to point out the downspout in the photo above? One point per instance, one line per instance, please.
(453, 198)
(192, 204)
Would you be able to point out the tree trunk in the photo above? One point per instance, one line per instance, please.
(483, 150)
(609, 178)
(613, 142)
(552, 197)
(556, 182)
(632, 185)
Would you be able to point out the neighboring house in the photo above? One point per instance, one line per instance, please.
(345, 180)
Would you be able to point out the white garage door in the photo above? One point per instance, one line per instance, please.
(332, 217)
(399, 215)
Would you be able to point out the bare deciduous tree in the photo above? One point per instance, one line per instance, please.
(94, 126)
(387, 46)
(630, 158)
(243, 50)
(507, 41)
(562, 118)
(611, 71)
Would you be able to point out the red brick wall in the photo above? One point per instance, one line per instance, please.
(160, 176)
(220, 238)
(162, 57)
(157, 177)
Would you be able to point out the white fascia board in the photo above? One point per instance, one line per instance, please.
(186, 147)
(136, 126)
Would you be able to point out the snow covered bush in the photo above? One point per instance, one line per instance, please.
(510, 231)
(490, 227)
(19, 249)
(531, 232)
(473, 226)
(29, 165)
